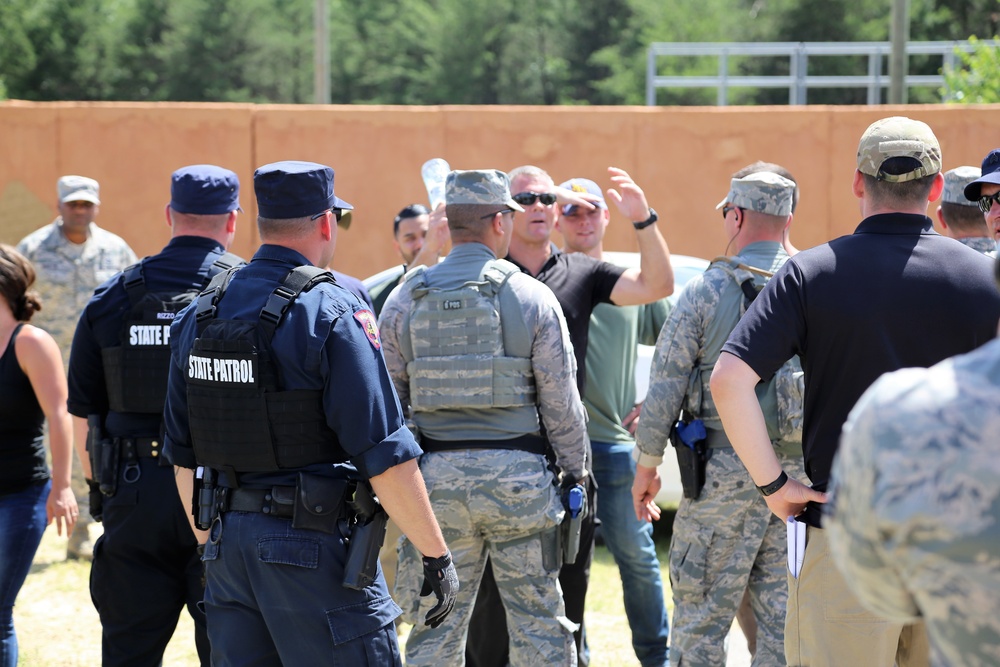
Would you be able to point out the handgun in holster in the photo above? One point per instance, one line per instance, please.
(103, 456)
(691, 446)
(367, 535)
(574, 499)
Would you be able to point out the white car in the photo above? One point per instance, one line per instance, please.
(685, 268)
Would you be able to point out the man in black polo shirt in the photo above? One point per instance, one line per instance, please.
(579, 282)
(893, 294)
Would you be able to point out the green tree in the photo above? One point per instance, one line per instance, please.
(977, 80)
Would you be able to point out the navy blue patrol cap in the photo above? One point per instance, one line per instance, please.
(293, 189)
(204, 189)
(991, 174)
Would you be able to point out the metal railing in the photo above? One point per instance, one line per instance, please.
(798, 80)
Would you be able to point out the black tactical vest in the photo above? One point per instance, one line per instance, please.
(136, 369)
(240, 417)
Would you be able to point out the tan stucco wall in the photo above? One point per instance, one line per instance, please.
(682, 157)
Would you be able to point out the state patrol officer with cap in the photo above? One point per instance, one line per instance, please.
(480, 355)
(279, 390)
(986, 191)
(146, 567)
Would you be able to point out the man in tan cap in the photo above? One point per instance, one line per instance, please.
(888, 296)
(72, 256)
(960, 218)
(481, 359)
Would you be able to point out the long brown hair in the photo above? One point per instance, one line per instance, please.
(16, 276)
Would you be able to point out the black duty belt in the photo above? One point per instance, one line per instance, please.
(143, 447)
(533, 444)
(277, 501)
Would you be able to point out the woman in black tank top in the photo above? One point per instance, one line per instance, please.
(32, 389)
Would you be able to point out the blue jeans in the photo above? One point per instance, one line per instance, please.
(22, 522)
(630, 541)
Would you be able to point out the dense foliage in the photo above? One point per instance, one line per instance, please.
(430, 51)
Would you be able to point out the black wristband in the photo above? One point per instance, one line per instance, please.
(769, 489)
(653, 217)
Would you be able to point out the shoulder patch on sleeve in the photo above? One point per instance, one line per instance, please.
(368, 322)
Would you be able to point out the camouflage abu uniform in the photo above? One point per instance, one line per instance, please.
(727, 539)
(68, 274)
(499, 502)
(914, 509)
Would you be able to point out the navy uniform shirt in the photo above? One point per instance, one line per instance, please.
(893, 294)
(181, 266)
(579, 282)
(321, 344)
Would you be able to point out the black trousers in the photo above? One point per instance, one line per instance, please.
(487, 645)
(146, 569)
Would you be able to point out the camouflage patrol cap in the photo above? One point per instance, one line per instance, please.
(78, 188)
(479, 187)
(898, 136)
(955, 181)
(764, 192)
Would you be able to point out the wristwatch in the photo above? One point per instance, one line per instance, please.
(648, 221)
(768, 489)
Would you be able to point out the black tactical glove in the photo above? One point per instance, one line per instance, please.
(95, 500)
(441, 578)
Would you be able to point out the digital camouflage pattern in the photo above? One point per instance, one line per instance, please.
(723, 542)
(484, 187)
(898, 136)
(955, 181)
(763, 191)
(983, 244)
(504, 500)
(501, 503)
(914, 509)
(552, 362)
(727, 539)
(69, 273)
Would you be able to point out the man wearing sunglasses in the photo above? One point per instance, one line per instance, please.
(891, 295)
(961, 218)
(579, 282)
(986, 191)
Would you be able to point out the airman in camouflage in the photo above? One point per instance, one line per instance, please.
(961, 218)
(481, 360)
(914, 505)
(72, 256)
(726, 540)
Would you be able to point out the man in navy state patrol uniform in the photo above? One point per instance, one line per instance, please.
(146, 567)
(279, 389)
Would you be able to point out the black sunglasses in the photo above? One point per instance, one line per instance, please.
(501, 212)
(986, 201)
(336, 211)
(726, 209)
(529, 198)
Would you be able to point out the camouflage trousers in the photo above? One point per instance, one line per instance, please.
(503, 504)
(724, 542)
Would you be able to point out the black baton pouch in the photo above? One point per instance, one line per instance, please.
(110, 450)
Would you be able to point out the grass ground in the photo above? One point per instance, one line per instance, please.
(58, 627)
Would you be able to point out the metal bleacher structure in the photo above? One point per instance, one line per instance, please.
(798, 81)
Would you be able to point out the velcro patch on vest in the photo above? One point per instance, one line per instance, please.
(148, 335)
(224, 369)
(366, 319)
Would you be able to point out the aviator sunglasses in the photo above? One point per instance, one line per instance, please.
(985, 202)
